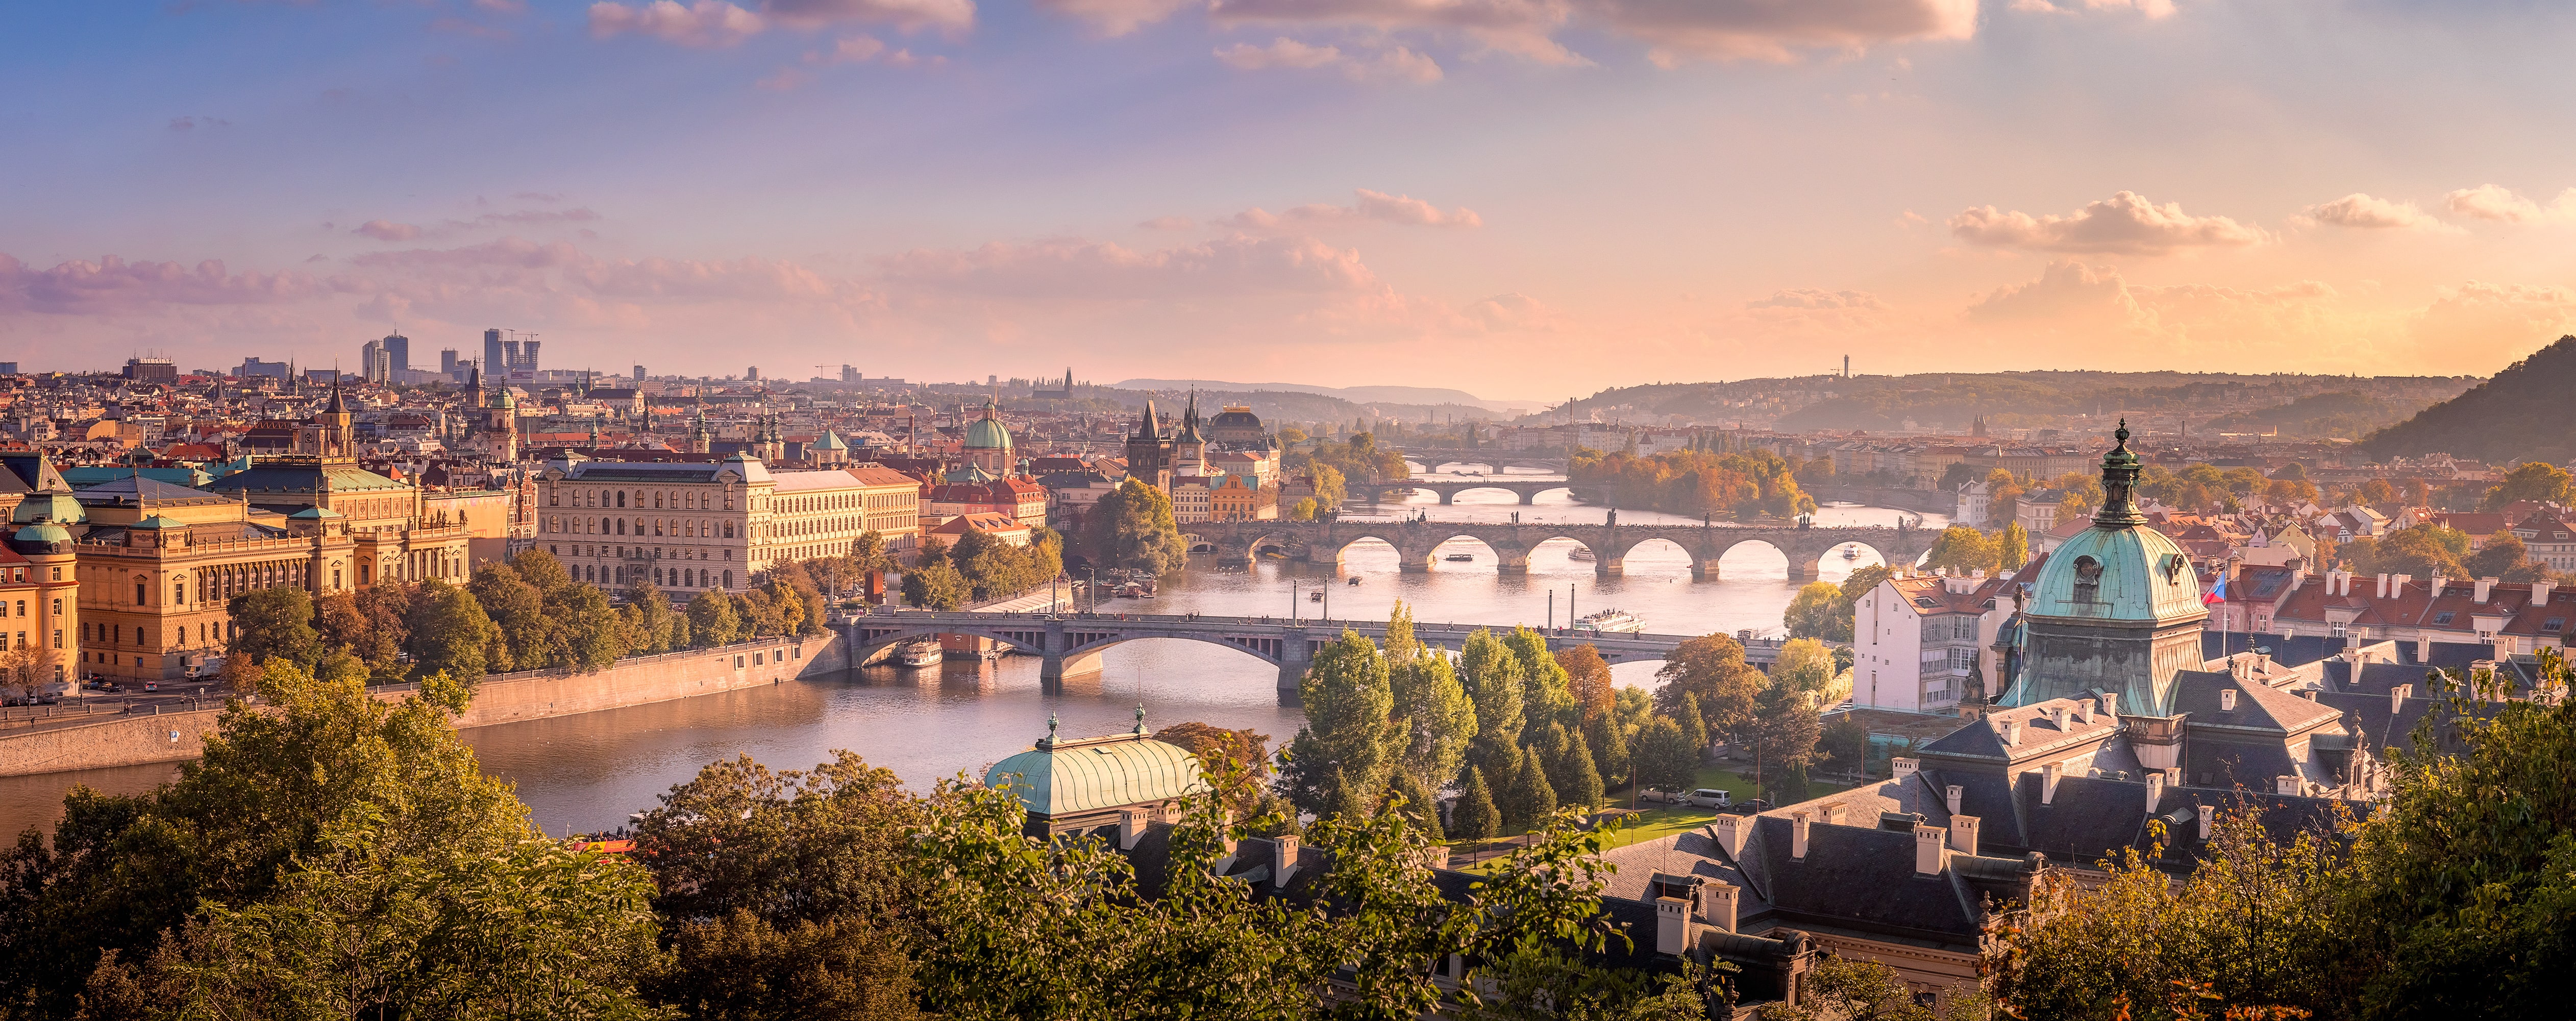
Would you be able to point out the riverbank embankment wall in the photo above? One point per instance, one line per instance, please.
(177, 736)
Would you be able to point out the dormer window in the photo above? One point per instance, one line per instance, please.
(2441, 618)
(2553, 624)
(2088, 579)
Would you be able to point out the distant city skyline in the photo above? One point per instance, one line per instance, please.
(1517, 198)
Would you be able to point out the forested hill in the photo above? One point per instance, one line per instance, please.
(2523, 414)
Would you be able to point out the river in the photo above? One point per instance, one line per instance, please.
(586, 773)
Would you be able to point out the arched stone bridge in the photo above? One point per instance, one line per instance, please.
(1416, 542)
(1526, 487)
(1431, 458)
(1071, 644)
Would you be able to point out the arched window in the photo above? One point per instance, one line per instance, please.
(657, 501)
(728, 533)
(621, 498)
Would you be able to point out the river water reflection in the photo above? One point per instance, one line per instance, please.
(585, 773)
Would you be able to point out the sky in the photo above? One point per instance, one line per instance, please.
(1526, 199)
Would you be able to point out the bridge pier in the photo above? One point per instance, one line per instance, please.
(1511, 561)
(1529, 497)
(1609, 567)
(1803, 570)
(1054, 667)
(1704, 569)
(1448, 496)
(1294, 657)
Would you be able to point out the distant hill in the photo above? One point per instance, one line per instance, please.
(2523, 414)
(1421, 395)
(2300, 405)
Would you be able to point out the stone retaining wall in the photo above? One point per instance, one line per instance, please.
(502, 698)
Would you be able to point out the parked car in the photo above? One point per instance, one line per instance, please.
(151, 685)
(1710, 797)
(1750, 806)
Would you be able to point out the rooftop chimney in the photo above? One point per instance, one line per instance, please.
(1131, 826)
(2380, 591)
(1927, 850)
(1731, 831)
(1717, 905)
(1797, 836)
(2111, 706)
(1951, 797)
(1284, 864)
(2397, 697)
(1830, 813)
(2048, 775)
(1905, 767)
(2011, 731)
(2208, 817)
(2285, 785)
(2227, 700)
(2435, 586)
(2397, 584)
(2155, 791)
(2540, 592)
(1672, 925)
(1963, 834)
(2485, 585)
(2084, 711)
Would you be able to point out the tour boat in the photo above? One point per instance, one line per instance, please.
(1611, 622)
(1460, 557)
(1850, 553)
(1580, 553)
(922, 654)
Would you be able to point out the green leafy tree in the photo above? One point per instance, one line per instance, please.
(1413, 799)
(1496, 682)
(935, 585)
(1302, 510)
(274, 623)
(1348, 699)
(587, 630)
(1817, 611)
(653, 617)
(1666, 758)
(2536, 481)
(2012, 547)
(1688, 715)
(1710, 670)
(1508, 762)
(1846, 989)
(1246, 752)
(1533, 799)
(540, 568)
(1475, 817)
(2504, 557)
(1962, 549)
(2422, 551)
(713, 620)
(1583, 788)
(1132, 527)
(1433, 717)
(1330, 486)
(747, 968)
(386, 608)
(1545, 697)
(518, 608)
(1609, 743)
(450, 634)
(1804, 664)
(1844, 743)
(1785, 729)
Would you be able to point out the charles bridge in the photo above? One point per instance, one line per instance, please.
(1526, 487)
(1070, 644)
(1417, 542)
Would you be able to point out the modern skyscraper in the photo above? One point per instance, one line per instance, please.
(849, 374)
(447, 361)
(639, 373)
(374, 362)
(398, 351)
(496, 360)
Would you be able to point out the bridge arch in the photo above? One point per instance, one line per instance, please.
(1083, 639)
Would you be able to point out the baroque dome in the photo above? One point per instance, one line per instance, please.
(987, 433)
(2125, 574)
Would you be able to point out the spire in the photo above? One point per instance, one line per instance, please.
(2119, 476)
(1146, 429)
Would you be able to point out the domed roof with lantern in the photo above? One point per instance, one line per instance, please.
(987, 433)
(2119, 569)
(1069, 781)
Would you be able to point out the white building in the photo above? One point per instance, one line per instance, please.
(1975, 502)
(1918, 639)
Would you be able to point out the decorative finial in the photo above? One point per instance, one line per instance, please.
(1050, 728)
(2122, 433)
(1140, 717)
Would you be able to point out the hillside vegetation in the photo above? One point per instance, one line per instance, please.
(2520, 415)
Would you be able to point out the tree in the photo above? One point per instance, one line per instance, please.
(331, 854)
(1247, 752)
(1712, 671)
(1132, 527)
(1413, 799)
(1804, 664)
(1845, 743)
(1475, 817)
(337, 623)
(1348, 698)
(747, 968)
(1588, 681)
(2012, 548)
(713, 620)
(274, 623)
(539, 568)
(587, 629)
(1843, 989)
(1666, 758)
(518, 608)
(1496, 682)
(653, 617)
(1962, 550)
(1785, 730)
(1533, 799)
(1433, 718)
(869, 555)
(1583, 786)
(2422, 551)
(1608, 740)
(1302, 510)
(450, 634)
(2504, 557)
(1328, 484)
(935, 585)
(1687, 713)
(1544, 697)
(2536, 481)
(1817, 611)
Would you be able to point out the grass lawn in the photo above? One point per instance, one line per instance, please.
(1655, 820)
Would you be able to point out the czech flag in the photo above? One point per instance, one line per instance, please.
(2217, 593)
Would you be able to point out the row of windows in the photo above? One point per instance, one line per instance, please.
(683, 499)
(687, 528)
(22, 607)
(114, 634)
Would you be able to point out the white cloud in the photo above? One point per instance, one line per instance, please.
(1778, 30)
(708, 23)
(1398, 64)
(2126, 223)
(1116, 17)
(2370, 213)
(2151, 9)
(2067, 292)
(2502, 205)
(1073, 269)
(908, 15)
(1375, 206)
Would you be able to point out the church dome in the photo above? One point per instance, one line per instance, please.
(987, 433)
(1067, 778)
(2124, 574)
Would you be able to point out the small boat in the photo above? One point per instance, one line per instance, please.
(1611, 622)
(922, 654)
(1459, 557)
(1355, 580)
(1583, 553)
(1274, 554)
(1850, 553)
(1314, 597)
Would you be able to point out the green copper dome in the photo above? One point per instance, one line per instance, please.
(1066, 778)
(2127, 574)
(987, 433)
(42, 532)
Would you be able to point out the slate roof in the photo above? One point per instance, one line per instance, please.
(289, 477)
(122, 492)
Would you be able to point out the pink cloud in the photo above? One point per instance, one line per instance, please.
(1116, 17)
(2125, 224)
(387, 230)
(1397, 64)
(2370, 213)
(908, 15)
(707, 23)
(1078, 270)
(2502, 205)
(1374, 206)
(2067, 291)
(1169, 223)
(112, 286)
(1771, 30)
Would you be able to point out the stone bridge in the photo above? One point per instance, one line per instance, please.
(1431, 458)
(1416, 542)
(1526, 487)
(1070, 644)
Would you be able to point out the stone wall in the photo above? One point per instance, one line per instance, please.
(503, 698)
